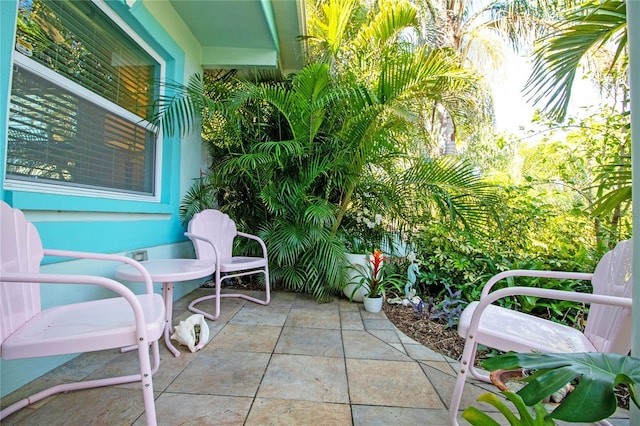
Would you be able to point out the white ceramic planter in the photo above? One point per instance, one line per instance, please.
(353, 278)
(373, 304)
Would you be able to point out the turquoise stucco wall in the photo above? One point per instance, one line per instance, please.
(106, 225)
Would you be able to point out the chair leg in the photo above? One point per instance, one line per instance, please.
(146, 374)
(476, 373)
(207, 315)
(264, 301)
(218, 295)
(468, 356)
(145, 377)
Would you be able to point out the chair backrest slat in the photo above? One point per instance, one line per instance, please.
(609, 327)
(20, 251)
(218, 228)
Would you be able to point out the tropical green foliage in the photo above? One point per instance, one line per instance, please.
(590, 157)
(484, 35)
(561, 210)
(594, 31)
(301, 159)
(595, 376)
(298, 159)
(359, 42)
(462, 261)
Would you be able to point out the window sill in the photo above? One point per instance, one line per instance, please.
(56, 202)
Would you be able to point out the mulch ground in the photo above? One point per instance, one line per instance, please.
(432, 334)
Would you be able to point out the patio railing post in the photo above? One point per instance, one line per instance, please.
(633, 33)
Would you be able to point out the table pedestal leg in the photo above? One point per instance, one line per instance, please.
(167, 294)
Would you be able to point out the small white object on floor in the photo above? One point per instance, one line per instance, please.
(185, 332)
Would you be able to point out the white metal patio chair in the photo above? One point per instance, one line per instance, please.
(26, 331)
(213, 233)
(608, 327)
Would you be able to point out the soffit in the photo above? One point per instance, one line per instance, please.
(246, 33)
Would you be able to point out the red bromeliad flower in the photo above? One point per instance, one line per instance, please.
(376, 262)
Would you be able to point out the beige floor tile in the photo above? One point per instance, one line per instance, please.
(371, 315)
(390, 383)
(313, 318)
(287, 296)
(377, 324)
(35, 386)
(222, 373)
(310, 341)
(85, 365)
(351, 320)
(185, 409)
(275, 317)
(385, 335)
(101, 406)
(345, 306)
(361, 344)
(422, 353)
(444, 383)
(279, 412)
(443, 366)
(228, 309)
(245, 338)
(307, 302)
(308, 378)
(367, 415)
(127, 363)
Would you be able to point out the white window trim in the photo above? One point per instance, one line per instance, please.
(64, 82)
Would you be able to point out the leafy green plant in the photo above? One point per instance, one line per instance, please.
(461, 261)
(595, 376)
(478, 418)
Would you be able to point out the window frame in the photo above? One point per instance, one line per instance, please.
(32, 65)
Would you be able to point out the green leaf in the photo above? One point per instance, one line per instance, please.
(593, 398)
(478, 418)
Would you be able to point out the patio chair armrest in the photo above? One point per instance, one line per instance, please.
(115, 286)
(560, 275)
(258, 239)
(206, 240)
(573, 296)
(107, 257)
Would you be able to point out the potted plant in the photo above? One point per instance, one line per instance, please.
(376, 281)
(361, 233)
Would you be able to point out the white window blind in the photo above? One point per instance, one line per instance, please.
(80, 101)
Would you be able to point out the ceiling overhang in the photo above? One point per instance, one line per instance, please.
(246, 33)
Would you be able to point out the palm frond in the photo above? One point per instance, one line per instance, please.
(179, 110)
(390, 20)
(557, 58)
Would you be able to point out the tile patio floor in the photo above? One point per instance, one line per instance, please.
(293, 362)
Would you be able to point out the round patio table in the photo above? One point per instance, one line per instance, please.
(168, 271)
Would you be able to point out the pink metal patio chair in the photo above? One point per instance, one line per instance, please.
(608, 328)
(213, 233)
(26, 331)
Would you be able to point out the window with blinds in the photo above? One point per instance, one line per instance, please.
(80, 101)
